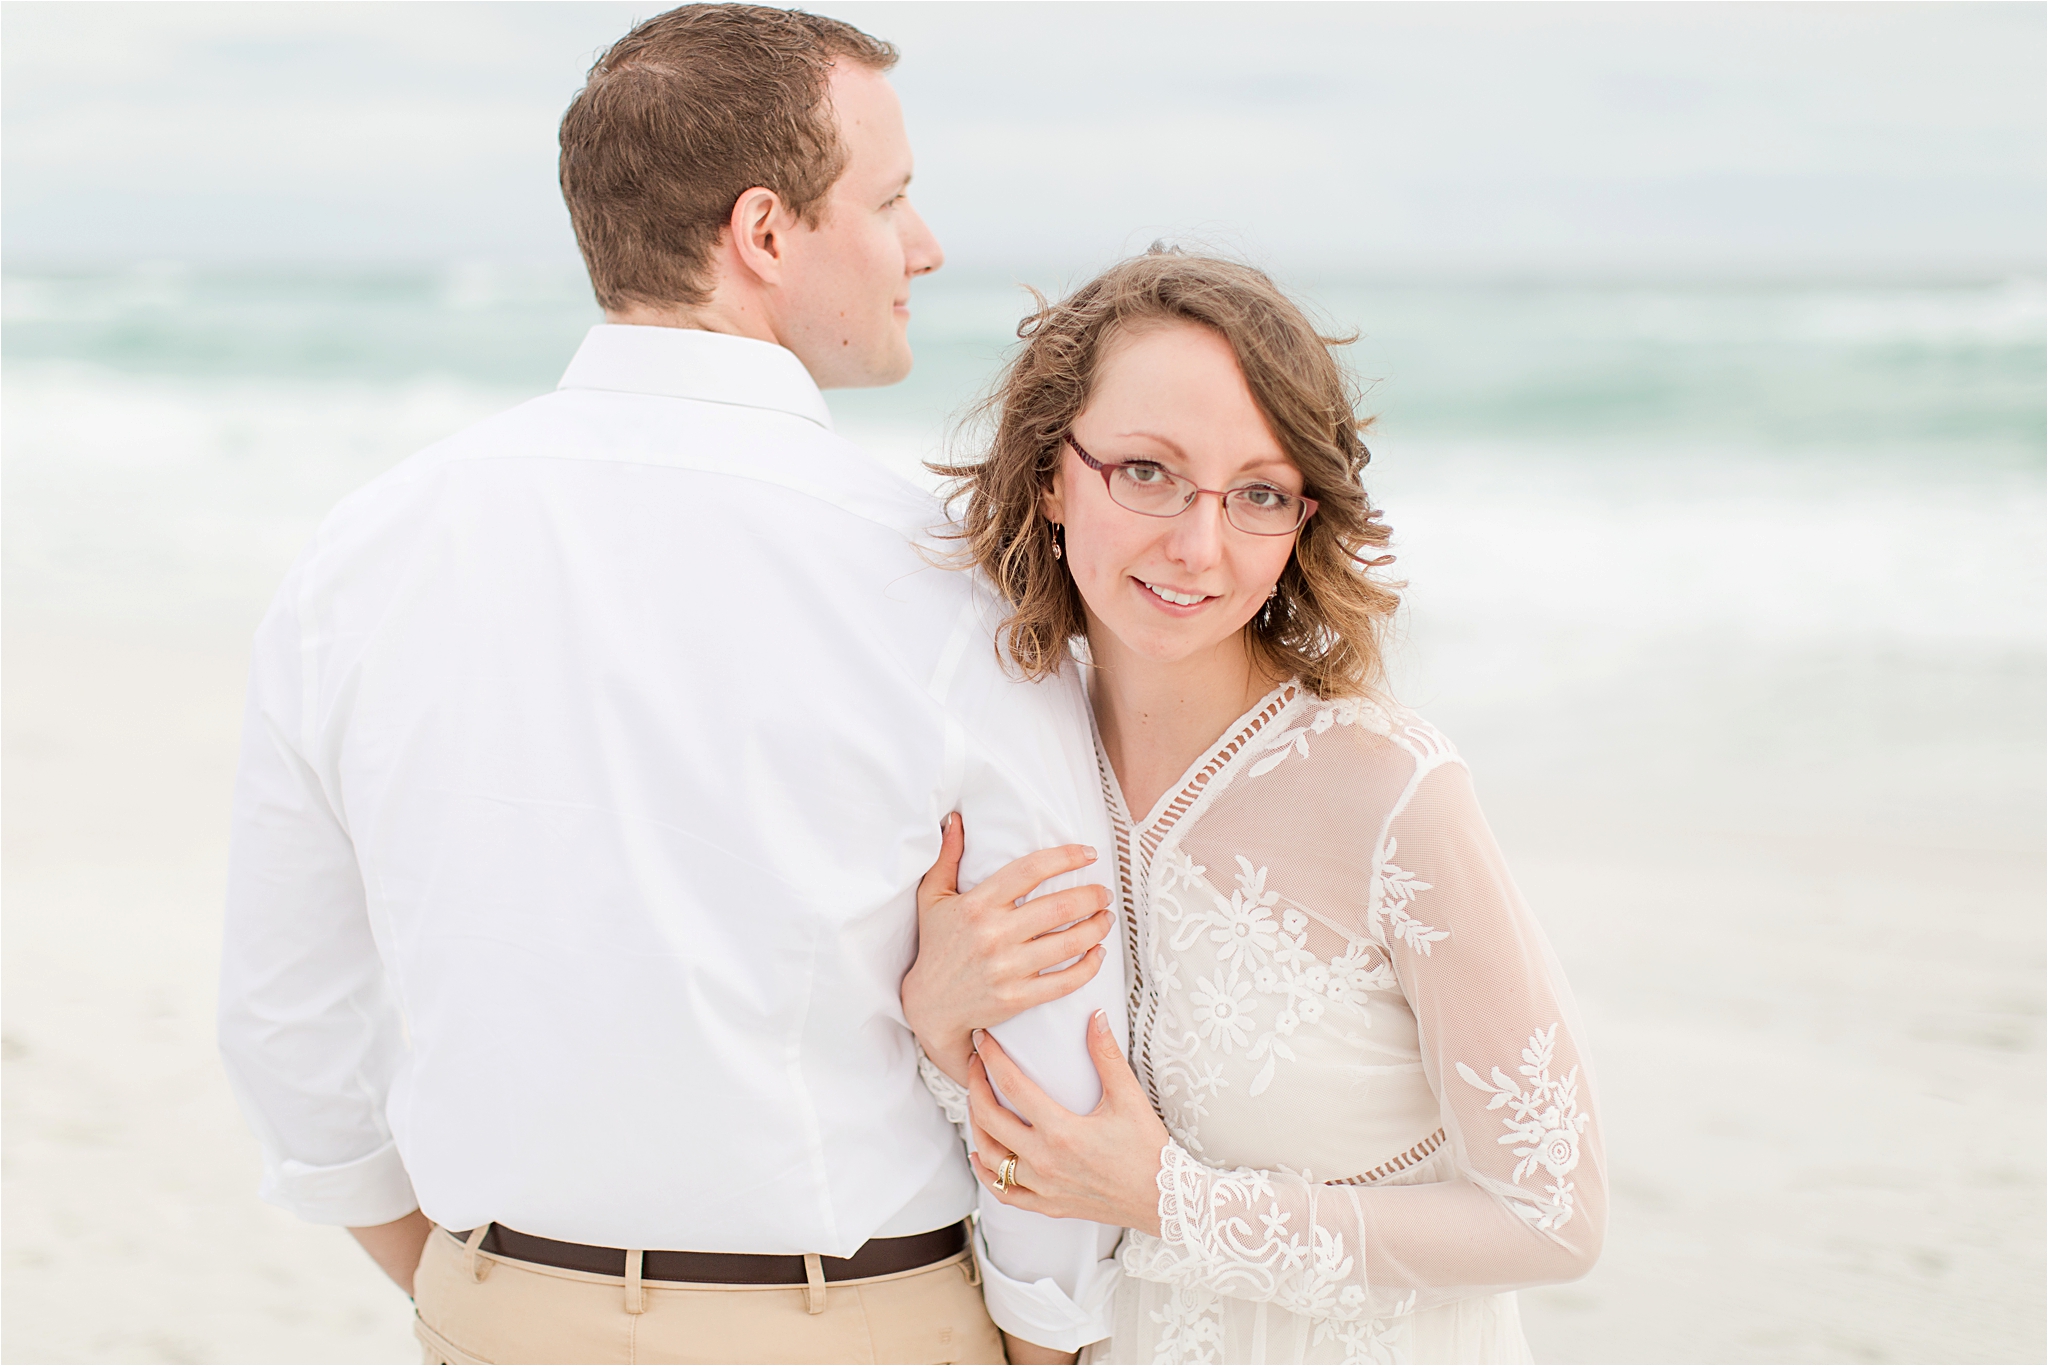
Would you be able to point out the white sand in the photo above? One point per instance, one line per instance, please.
(1820, 1066)
(132, 1231)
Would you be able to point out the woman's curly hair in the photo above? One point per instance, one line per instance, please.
(1328, 623)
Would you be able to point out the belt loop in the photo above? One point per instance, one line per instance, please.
(814, 1284)
(973, 1264)
(478, 1266)
(636, 1297)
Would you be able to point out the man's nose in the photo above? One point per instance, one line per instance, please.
(922, 253)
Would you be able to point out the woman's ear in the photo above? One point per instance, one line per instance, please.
(1052, 500)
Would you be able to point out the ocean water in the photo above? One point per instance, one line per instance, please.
(1594, 490)
(1733, 597)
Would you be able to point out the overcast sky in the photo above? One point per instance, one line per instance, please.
(1359, 140)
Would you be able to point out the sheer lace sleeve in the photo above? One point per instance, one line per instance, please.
(1523, 1201)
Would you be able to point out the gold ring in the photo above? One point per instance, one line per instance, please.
(1006, 1175)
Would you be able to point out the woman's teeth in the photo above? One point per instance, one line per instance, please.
(1177, 599)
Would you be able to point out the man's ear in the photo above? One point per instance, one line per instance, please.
(757, 230)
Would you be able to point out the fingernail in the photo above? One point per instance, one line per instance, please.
(1101, 1018)
(1089, 850)
(976, 1038)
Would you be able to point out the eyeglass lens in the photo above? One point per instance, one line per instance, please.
(1258, 509)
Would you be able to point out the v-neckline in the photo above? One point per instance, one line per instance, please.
(1177, 799)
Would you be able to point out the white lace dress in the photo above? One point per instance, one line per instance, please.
(1363, 1048)
(1364, 1051)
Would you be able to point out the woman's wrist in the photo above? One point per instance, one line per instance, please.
(950, 1050)
(952, 1061)
(948, 1047)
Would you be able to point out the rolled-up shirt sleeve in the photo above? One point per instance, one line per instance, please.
(1052, 1281)
(1066, 1268)
(309, 1031)
(1048, 1281)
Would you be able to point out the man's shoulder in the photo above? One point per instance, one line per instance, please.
(771, 454)
(778, 453)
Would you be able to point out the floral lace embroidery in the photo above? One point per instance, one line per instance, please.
(1366, 1339)
(1191, 1325)
(1208, 1237)
(1393, 891)
(1264, 969)
(1181, 1085)
(1267, 984)
(1545, 1120)
(1294, 739)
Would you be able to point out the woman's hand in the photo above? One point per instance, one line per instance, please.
(1103, 1165)
(981, 958)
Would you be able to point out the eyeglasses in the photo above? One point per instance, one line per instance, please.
(1150, 490)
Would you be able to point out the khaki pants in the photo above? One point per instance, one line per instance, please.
(493, 1309)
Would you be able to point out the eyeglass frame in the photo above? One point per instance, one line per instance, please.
(1308, 504)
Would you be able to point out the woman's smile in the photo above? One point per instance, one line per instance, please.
(1179, 602)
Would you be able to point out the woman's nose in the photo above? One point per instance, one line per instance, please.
(1197, 536)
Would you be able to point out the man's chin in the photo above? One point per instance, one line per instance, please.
(899, 368)
(878, 373)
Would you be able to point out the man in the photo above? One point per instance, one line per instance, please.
(593, 759)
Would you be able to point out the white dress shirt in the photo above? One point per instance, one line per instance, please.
(592, 760)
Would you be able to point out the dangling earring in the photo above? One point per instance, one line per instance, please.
(1057, 552)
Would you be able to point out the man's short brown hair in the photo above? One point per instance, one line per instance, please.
(685, 114)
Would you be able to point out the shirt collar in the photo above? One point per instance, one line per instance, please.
(686, 362)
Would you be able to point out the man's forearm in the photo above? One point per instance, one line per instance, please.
(396, 1246)
(1022, 1353)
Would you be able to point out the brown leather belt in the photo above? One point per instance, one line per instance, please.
(876, 1257)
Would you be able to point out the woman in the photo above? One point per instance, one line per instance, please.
(1356, 1117)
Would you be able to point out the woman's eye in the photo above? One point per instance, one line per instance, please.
(1263, 498)
(1144, 474)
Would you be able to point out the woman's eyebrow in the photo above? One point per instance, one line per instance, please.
(1165, 441)
(1267, 462)
(1264, 462)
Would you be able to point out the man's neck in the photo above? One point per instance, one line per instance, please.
(732, 317)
